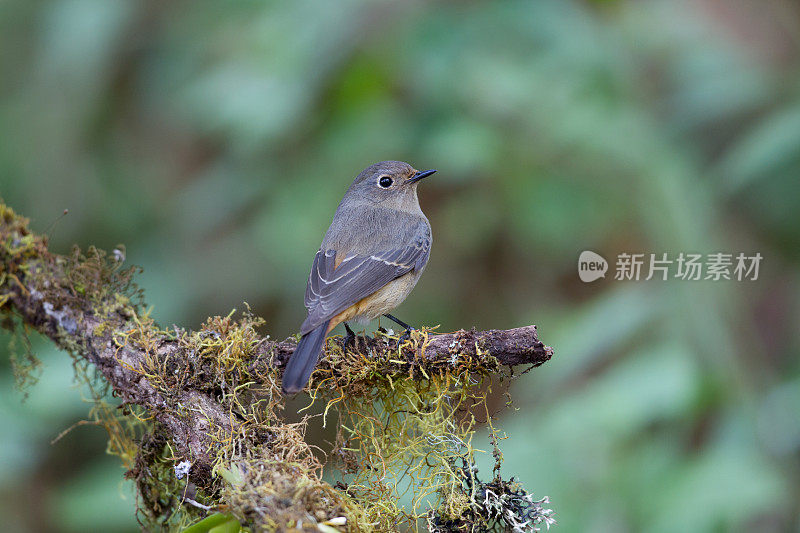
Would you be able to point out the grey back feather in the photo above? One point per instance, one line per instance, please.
(377, 244)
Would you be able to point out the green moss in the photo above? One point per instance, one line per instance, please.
(402, 433)
(161, 495)
(17, 247)
(24, 363)
(103, 279)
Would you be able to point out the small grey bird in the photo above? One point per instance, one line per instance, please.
(371, 257)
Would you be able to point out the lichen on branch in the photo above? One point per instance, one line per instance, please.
(199, 417)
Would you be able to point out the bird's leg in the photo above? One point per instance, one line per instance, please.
(398, 322)
(405, 336)
(350, 338)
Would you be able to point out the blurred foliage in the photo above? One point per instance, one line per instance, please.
(215, 139)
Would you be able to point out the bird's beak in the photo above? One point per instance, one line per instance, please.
(419, 175)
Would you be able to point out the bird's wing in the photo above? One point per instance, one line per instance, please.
(333, 289)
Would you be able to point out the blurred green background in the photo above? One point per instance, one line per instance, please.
(215, 139)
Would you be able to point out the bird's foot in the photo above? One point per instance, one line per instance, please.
(405, 336)
(351, 339)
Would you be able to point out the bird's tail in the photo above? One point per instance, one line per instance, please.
(304, 359)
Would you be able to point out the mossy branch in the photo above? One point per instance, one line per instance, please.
(191, 383)
(509, 347)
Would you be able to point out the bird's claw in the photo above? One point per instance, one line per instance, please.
(351, 339)
(405, 336)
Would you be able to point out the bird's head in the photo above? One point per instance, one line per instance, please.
(392, 183)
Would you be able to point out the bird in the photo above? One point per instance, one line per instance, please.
(369, 261)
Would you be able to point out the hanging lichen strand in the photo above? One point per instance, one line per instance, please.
(408, 437)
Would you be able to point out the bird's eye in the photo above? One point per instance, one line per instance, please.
(385, 182)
